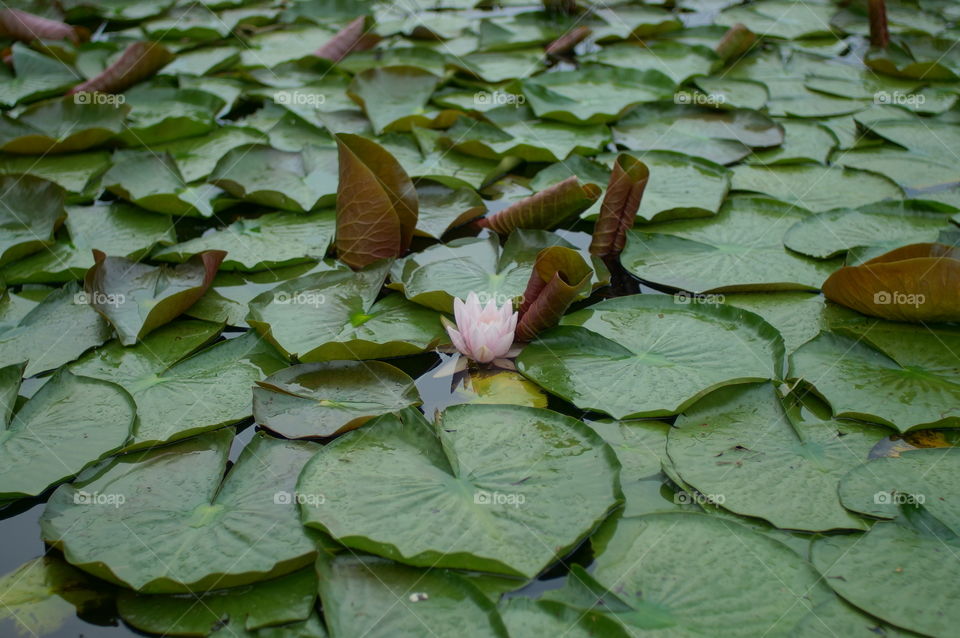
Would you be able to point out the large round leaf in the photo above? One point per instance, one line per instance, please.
(902, 574)
(816, 188)
(69, 423)
(493, 488)
(335, 315)
(863, 383)
(741, 248)
(32, 209)
(376, 598)
(326, 399)
(741, 443)
(161, 521)
(179, 396)
(664, 567)
(648, 355)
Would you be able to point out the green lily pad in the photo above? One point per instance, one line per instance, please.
(924, 477)
(505, 499)
(43, 594)
(137, 298)
(69, 423)
(177, 395)
(203, 533)
(835, 232)
(723, 137)
(152, 181)
(594, 94)
(57, 331)
(739, 249)
(117, 229)
(76, 173)
(32, 210)
(647, 355)
(639, 446)
(680, 186)
(498, 66)
(816, 188)
(287, 599)
(196, 157)
(895, 572)
(438, 274)
(781, 19)
(802, 142)
(648, 563)
(294, 181)
(675, 60)
(369, 596)
(742, 444)
(391, 94)
(528, 617)
(327, 399)
(335, 315)
(797, 316)
(914, 393)
(61, 126)
(443, 208)
(273, 240)
(37, 75)
(161, 114)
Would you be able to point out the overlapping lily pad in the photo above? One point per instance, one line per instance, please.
(336, 315)
(528, 482)
(647, 355)
(203, 531)
(32, 210)
(60, 126)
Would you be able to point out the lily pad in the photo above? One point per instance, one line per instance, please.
(57, 331)
(287, 599)
(202, 532)
(60, 126)
(32, 210)
(723, 137)
(76, 173)
(848, 374)
(782, 19)
(816, 188)
(675, 60)
(768, 462)
(161, 114)
(336, 315)
(177, 395)
(646, 355)
(443, 208)
(639, 445)
(391, 94)
(136, 298)
(739, 249)
(508, 488)
(273, 240)
(69, 423)
(196, 157)
(369, 596)
(327, 399)
(152, 181)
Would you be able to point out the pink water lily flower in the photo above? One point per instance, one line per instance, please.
(482, 333)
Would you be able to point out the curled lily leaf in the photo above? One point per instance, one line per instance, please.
(138, 62)
(620, 205)
(879, 34)
(377, 205)
(356, 36)
(918, 282)
(546, 209)
(568, 40)
(559, 274)
(26, 27)
(735, 42)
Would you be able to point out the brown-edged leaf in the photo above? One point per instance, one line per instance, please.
(559, 273)
(735, 42)
(568, 40)
(376, 203)
(879, 34)
(356, 36)
(919, 282)
(138, 62)
(545, 209)
(26, 27)
(138, 298)
(620, 204)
